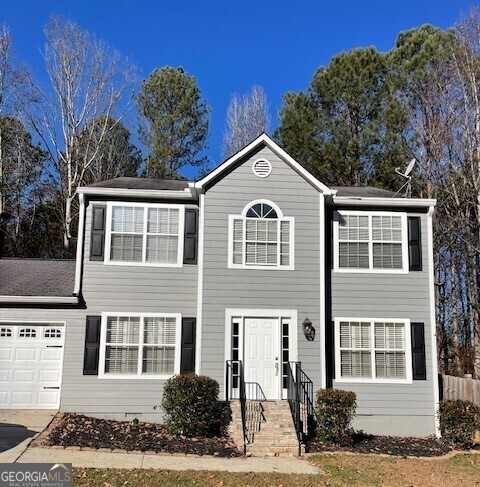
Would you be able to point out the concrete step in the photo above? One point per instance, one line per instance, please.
(259, 443)
(275, 434)
(272, 451)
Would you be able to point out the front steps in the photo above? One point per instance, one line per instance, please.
(270, 428)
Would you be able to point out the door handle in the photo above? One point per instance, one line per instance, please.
(276, 368)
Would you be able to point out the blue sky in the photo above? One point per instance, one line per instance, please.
(231, 45)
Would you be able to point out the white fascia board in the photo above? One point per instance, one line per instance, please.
(265, 139)
(39, 299)
(369, 201)
(141, 193)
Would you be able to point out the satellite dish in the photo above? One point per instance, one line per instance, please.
(409, 169)
(408, 177)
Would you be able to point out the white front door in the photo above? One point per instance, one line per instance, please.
(262, 358)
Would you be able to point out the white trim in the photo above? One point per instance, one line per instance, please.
(371, 201)
(433, 321)
(80, 244)
(278, 266)
(262, 159)
(140, 193)
(145, 206)
(371, 269)
(244, 313)
(138, 376)
(201, 232)
(18, 321)
(322, 301)
(362, 380)
(39, 299)
(265, 139)
(265, 202)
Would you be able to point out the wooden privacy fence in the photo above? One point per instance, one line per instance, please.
(463, 388)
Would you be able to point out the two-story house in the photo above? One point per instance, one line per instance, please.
(257, 262)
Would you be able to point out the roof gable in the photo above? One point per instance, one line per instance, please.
(262, 139)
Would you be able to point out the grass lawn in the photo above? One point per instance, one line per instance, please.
(340, 470)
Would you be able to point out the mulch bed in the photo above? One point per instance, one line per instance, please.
(390, 445)
(82, 431)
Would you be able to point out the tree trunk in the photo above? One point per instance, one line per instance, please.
(66, 232)
(455, 323)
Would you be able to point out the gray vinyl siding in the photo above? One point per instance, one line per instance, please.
(223, 288)
(126, 289)
(407, 296)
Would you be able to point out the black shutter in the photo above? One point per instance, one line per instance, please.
(419, 365)
(191, 232)
(414, 243)
(97, 242)
(92, 345)
(187, 360)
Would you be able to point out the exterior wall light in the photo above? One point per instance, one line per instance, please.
(308, 330)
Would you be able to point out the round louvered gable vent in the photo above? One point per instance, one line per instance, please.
(262, 168)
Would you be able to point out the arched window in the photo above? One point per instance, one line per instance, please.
(261, 237)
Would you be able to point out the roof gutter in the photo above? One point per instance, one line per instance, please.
(39, 299)
(141, 193)
(368, 201)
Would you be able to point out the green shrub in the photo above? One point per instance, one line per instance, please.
(335, 411)
(192, 407)
(458, 422)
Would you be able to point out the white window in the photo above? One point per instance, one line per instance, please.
(27, 333)
(371, 242)
(145, 234)
(261, 237)
(5, 332)
(138, 345)
(373, 350)
(52, 333)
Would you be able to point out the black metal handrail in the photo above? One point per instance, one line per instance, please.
(235, 389)
(300, 400)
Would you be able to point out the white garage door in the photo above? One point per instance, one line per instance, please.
(31, 356)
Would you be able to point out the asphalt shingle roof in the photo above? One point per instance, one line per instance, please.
(36, 277)
(364, 192)
(142, 183)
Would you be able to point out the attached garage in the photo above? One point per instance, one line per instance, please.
(36, 301)
(31, 359)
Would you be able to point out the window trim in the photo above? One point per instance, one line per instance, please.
(103, 338)
(280, 218)
(373, 380)
(370, 269)
(143, 263)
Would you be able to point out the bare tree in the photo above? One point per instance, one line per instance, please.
(20, 161)
(9, 83)
(247, 117)
(89, 86)
(466, 104)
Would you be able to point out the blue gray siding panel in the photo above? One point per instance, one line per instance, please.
(363, 295)
(260, 289)
(122, 289)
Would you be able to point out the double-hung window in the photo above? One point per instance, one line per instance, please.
(145, 234)
(137, 345)
(373, 350)
(261, 237)
(375, 242)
